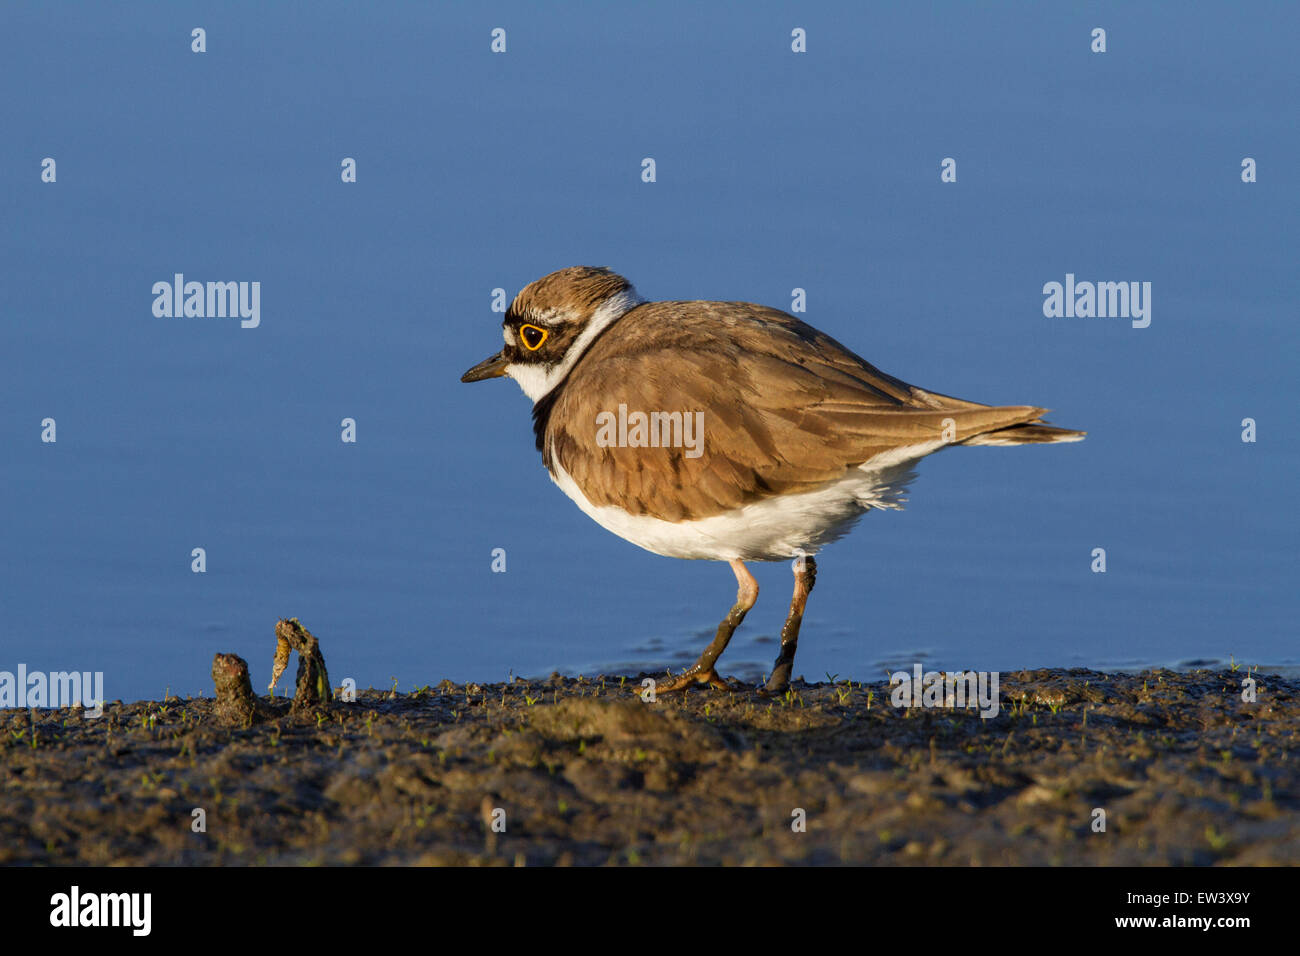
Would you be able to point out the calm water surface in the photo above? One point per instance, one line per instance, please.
(775, 171)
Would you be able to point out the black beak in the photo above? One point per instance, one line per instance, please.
(492, 367)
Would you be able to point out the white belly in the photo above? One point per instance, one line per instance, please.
(770, 530)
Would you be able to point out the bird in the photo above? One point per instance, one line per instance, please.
(724, 431)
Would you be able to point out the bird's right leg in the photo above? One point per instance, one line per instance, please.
(805, 576)
(703, 671)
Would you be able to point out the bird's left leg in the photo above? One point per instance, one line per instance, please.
(703, 672)
(805, 575)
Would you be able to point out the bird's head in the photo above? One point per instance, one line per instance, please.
(552, 322)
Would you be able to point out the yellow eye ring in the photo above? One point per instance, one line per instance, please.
(533, 337)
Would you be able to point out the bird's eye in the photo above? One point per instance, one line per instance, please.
(532, 337)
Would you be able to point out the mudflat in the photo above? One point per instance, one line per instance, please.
(1078, 767)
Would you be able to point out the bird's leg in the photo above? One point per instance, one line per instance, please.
(703, 671)
(805, 575)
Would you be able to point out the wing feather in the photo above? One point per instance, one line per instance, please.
(786, 409)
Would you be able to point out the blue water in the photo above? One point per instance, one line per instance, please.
(775, 170)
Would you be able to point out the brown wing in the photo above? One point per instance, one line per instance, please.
(786, 409)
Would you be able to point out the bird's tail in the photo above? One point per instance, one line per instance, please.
(1029, 433)
(977, 424)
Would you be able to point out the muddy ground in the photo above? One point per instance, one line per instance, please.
(583, 772)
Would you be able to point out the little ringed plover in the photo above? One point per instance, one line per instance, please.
(725, 431)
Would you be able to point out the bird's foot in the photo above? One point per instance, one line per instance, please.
(778, 683)
(691, 677)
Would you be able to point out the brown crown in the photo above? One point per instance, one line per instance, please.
(575, 291)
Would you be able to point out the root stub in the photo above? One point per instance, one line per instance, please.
(312, 693)
(236, 705)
